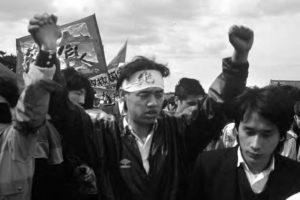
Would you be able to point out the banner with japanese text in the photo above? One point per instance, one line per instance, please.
(79, 47)
(109, 79)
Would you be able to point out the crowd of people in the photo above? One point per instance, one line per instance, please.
(232, 142)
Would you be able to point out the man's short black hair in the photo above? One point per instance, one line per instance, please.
(74, 80)
(9, 90)
(140, 63)
(188, 86)
(271, 102)
(77, 81)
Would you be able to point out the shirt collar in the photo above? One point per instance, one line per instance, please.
(242, 162)
(121, 108)
(126, 125)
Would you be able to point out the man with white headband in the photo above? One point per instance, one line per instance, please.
(151, 151)
(145, 153)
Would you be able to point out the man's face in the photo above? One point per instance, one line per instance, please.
(77, 96)
(191, 100)
(144, 106)
(258, 138)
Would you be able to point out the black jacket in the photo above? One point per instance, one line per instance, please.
(215, 177)
(175, 144)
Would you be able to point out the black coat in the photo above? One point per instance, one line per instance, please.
(175, 144)
(215, 177)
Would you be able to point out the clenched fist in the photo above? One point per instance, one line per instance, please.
(241, 38)
(44, 31)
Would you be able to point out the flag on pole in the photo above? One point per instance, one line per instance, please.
(108, 80)
(119, 58)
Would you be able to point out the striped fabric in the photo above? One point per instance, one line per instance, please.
(17, 144)
(16, 164)
(49, 144)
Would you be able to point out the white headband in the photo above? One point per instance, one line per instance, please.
(143, 79)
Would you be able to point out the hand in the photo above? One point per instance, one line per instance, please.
(87, 179)
(241, 38)
(85, 174)
(44, 31)
(190, 112)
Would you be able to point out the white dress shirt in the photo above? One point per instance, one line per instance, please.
(144, 146)
(257, 181)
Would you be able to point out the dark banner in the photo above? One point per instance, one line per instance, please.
(79, 47)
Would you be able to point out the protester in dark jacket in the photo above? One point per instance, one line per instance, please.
(145, 154)
(67, 180)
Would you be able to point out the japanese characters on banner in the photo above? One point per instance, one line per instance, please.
(109, 80)
(106, 80)
(80, 47)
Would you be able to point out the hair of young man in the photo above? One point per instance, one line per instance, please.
(137, 64)
(9, 90)
(292, 91)
(271, 102)
(76, 81)
(188, 86)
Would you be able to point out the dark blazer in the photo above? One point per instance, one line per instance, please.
(215, 177)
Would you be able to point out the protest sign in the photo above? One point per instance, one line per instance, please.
(80, 47)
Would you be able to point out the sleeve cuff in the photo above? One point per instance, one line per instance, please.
(236, 68)
(46, 59)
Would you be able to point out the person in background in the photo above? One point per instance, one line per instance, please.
(188, 92)
(80, 91)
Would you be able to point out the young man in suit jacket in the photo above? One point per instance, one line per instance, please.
(253, 169)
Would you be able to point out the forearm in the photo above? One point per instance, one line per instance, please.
(33, 103)
(211, 115)
(230, 82)
(240, 57)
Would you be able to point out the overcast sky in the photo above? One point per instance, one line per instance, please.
(188, 35)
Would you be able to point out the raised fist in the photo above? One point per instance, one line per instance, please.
(241, 38)
(44, 31)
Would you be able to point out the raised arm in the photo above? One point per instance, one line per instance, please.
(73, 124)
(34, 101)
(232, 80)
(210, 117)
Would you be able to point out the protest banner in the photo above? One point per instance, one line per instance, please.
(79, 47)
(109, 79)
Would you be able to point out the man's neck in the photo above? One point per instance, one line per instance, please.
(258, 168)
(261, 168)
(141, 130)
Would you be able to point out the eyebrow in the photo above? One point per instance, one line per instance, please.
(263, 130)
(148, 91)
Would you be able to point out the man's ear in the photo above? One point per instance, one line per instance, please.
(122, 95)
(176, 99)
